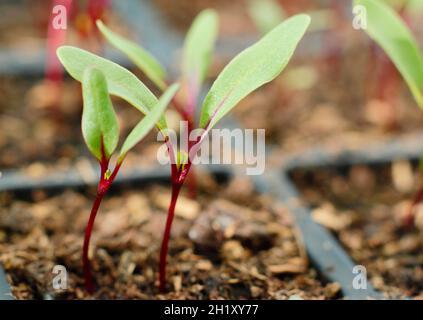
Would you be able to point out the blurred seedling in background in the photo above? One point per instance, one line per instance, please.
(252, 68)
(383, 92)
(100, 130)
(391, 33)
(80, 15)
(266, 14)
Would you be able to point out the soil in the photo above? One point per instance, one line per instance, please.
(230, 244)
(365, 209)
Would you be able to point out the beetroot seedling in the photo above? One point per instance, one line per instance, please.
(388, 30)
(101, 133)
(252, 68)
(249, 70)
(83, 20)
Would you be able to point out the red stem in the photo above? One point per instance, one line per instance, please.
(192, 185)
(85, 259)
(103, 186)
(176, 188)
(179, 174)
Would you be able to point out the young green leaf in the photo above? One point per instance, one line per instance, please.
(198, 47)
(99, 122)
(140, 57)
(391, 33)
(255, 66)
(120, 81)
(147, 123)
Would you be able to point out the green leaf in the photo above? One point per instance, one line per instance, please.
(255, 66)
(140, 57)
(147, 123)
(99, 122)
(198, 47)
(266, 14)
(120, 81)
(386, 28)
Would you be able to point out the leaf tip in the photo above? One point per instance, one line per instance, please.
(210, 13)
(60, 51)
(306, 18)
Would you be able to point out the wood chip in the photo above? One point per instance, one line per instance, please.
(185, 208)
(255, 291)
(177, 283)
(204, 265)
(327, 216)
(293, 266)
(402, 176)
(332, 289)
(233, 250)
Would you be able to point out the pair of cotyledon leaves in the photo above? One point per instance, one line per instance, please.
(387, 28)
(255, 66)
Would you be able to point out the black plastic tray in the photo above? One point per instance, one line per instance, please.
(333, 258)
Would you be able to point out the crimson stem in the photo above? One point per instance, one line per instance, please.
(166, 236)
(178, 179)
(89, 285)
(179, 173)
(103, 186)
